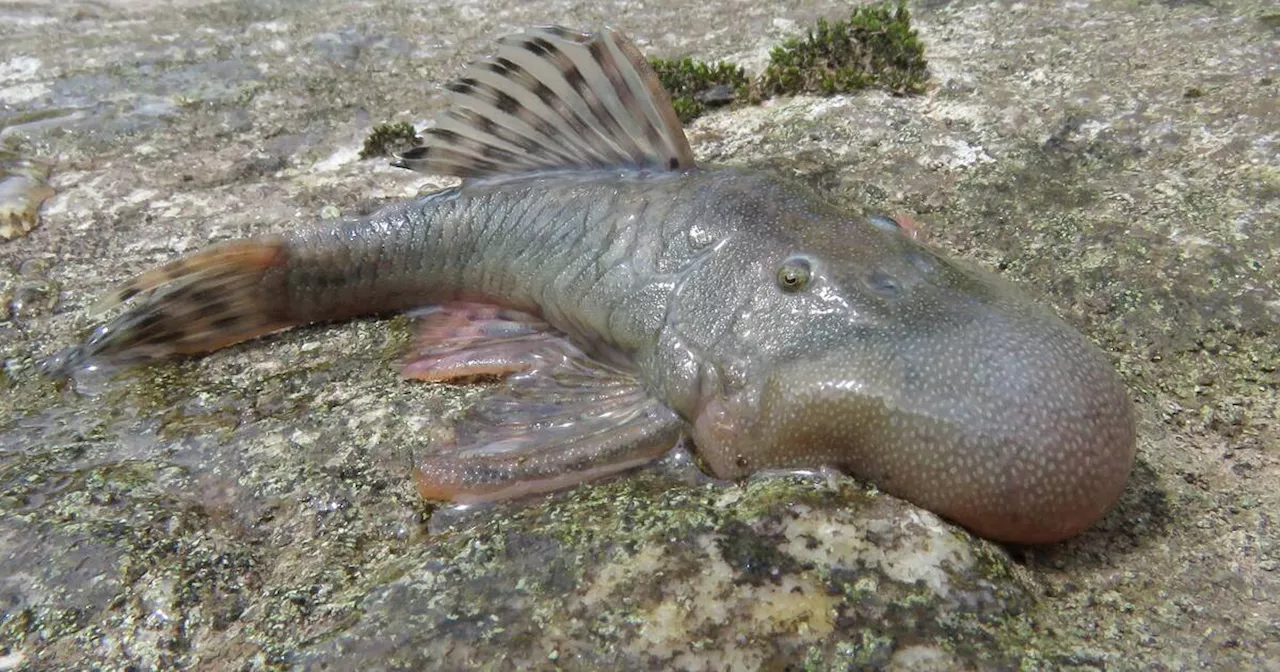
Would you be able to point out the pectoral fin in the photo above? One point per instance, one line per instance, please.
(560, 418)
(466, 340)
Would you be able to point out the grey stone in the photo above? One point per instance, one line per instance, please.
(252, 509)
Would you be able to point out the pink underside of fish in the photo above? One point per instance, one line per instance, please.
(465, 340)
(522, 447)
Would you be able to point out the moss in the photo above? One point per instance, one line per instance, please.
(492, 572)
(399, 335)
(159, 385)
(757, 558)
(386, 139)
(696, 85)
(29, 117)
(876, 47)
(869, 650)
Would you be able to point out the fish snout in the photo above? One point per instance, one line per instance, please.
(1024, 434)
(1020, 431)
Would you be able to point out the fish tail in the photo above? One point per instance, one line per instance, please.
(202, 302)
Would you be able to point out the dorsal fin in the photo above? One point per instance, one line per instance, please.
(553, 98)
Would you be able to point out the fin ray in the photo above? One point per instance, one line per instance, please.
(202, 302)
(464, 340)
(554, 99)
(559, 418)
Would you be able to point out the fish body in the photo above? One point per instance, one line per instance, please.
(629, 297)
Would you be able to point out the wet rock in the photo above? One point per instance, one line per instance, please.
(253, 508)
(31, 298)
(23, 188)
(645, 574)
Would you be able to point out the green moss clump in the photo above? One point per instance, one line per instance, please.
(876, 47)
(696, 85)
(389, 138)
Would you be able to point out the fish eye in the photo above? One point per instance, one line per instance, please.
(794, 274)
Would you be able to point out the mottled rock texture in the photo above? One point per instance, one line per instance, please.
(252, 509)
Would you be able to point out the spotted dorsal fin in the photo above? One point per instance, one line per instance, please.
(554, 99)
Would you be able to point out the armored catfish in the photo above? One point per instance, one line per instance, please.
(628, 297)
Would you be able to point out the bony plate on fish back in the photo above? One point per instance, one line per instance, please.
(628, 297)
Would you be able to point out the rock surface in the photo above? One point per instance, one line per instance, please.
(252, 510)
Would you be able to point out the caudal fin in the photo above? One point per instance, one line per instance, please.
(202, 302)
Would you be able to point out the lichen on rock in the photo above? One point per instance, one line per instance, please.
(253, 508)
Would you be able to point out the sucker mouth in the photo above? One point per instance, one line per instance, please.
(728, 406)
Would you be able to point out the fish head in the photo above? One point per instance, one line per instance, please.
(933, 380)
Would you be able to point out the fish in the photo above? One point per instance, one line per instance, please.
(626, 299)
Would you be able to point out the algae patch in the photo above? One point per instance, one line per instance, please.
(1270, 20)
(387, 139)
(641, 573)
(875, 46)
(695, 86)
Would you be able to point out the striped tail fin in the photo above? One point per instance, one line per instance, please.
(201, 302)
